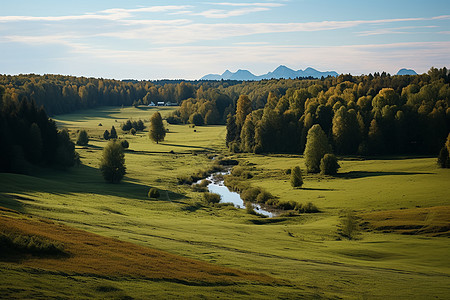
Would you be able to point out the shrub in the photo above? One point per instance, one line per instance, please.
(211, 197)
(153, 193)
(125, 144)
(329, 165)
(296, 177)
(133, 131)
(173, 120)
(249, 208)
(83, 138)
(250, 194)
(185, 179)
(349, 225)
(33, 244)
(306, 208)
(263, 197)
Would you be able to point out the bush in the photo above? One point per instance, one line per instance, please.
(33, 244)
(307, 208)
(83, 138)
(296, 177)
(349, 225)
(250, 194)
(153, 193)
(125, 144)
(173, 120)
(211, 197)
(133, 131)
(249, 208)
(263, 197)
(329, 165)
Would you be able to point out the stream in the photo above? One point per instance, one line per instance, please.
(226, 196)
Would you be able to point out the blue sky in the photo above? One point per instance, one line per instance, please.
(188, 39)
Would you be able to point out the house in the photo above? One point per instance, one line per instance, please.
(160, 103)
(152, 104)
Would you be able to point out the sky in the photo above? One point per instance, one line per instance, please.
(172, 39)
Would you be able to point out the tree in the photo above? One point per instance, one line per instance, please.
(232, 133)
(112, 163)
(157, 131)
(296, 177)
(65, 153)
(106, 135)
(243, 108)
(444, 154)
(329, 164)
(196, 119)
(248, 135)
(35, 144)
(113, 133)
(316, 147)
(83, 138)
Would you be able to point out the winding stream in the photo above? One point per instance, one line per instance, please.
(226, 196)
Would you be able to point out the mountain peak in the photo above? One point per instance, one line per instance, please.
(406, 72)
(280, 72)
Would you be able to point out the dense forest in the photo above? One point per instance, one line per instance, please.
(367, 114)
(29, 138)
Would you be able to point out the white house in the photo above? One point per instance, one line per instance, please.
(152, 104)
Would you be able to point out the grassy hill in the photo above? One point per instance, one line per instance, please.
(302, 256)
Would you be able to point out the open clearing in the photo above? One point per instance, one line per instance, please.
(306, 250)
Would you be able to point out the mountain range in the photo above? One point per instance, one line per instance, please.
(280, 72)
(406, 72)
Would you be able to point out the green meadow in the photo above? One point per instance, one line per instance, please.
(304, 252)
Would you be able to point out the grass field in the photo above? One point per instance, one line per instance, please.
(304, 255)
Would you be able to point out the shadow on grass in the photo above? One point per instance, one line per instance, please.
(75, 181)
(315, 189)
(364, 174)
(186, 146)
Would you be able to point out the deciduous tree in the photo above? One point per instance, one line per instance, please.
(157, 131)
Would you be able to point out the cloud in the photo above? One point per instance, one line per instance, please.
(113, 14)
(396, 30)
(248, 4)
(221, 14)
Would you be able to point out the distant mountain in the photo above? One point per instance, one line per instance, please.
(278, 73)
(406, 72)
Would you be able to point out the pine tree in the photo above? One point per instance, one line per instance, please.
(106, 135)
(113, 133)
(316, 147)
(157, 131)
(112, 163)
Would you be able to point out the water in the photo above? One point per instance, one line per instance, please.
(226, 196)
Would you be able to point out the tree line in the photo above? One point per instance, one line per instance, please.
(367, 115)
(29, 138)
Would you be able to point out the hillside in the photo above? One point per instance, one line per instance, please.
(241, 255)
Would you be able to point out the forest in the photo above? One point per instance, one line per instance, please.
(375, 114)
